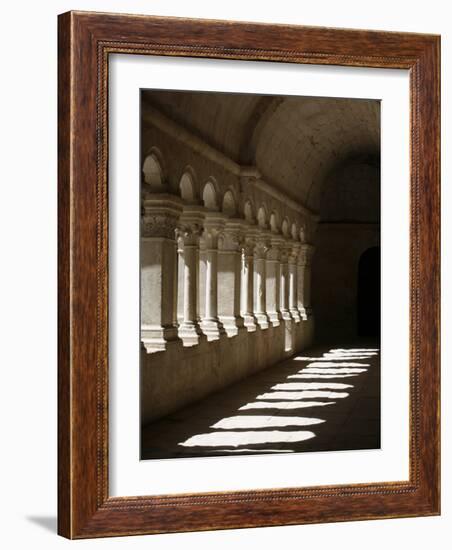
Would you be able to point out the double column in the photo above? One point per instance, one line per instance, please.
(304, 280)
(284, 288)
(273, 290)
(247, 289)
(260, 280)
(229, 268)
(189, 231)
(211, 325)
(158, 259)
(292, 260)
(246, 270)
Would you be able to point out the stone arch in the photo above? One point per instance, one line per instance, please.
(187, 186)
(153, 170)
(248, 211)
(285, 227)
(262, 216)
(294, 231)
(209, 196)
(229, 203)
(274, 222)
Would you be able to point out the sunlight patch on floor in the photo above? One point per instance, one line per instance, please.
(237, 422)
(303, 395)
(285, 405)
(242, 430)
(311, 386)
(255, 451)
(336, 365)
(335, 356)
(343, 370)
(321, 376)
(327, 357)
(235, 439)
(351, 351)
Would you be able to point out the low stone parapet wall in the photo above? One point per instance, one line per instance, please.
(182, 375)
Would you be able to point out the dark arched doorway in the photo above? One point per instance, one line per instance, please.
(368, 299)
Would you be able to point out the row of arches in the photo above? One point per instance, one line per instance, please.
(229, 203)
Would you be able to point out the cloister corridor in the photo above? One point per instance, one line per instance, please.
(323, 398)
(259, 273)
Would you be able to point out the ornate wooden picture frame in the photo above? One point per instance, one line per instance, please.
(86, 41)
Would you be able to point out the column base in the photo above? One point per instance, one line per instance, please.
(232, 325)
(190, 333)
(275, 318)
(305, 313)
(286, 316)
(159, 338)
(212, 328)
(250, 322)
(262, 320)
(296, 316)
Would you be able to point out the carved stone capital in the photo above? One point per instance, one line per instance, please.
(160, 215)
(229, 241)
(213, 226)
(261, 247)
(230, 238)
(285, 251)
(305, 255)
(190, 225)
(188, 233)
(276, 245)
(294, 251)
(159, 225)
(250, 233)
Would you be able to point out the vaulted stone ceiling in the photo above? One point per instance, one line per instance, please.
(295, 142)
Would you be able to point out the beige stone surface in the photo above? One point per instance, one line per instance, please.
(181, 375)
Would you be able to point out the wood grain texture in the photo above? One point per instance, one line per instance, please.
(85, 42)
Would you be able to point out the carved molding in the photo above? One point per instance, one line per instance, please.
(306, 253)
(159, 225)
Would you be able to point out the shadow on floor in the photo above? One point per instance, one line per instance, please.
(49, 523)
(322, 399)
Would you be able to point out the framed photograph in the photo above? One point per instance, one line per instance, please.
(248, 275)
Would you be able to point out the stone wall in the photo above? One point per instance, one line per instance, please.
(225, 269)
(181, 375)
(350, 225)
(335, 272)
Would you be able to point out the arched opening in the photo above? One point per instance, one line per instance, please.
(209, 196)
(274, 222)
(302, 234)
(187, 188)
(285, 227)
(262, 217)
(153, 172)
(229, 206)
(368, 298)
(248, 211)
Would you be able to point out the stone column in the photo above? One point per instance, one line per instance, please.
(285, 313)
(294, 251)
(273, 290)
(229, 264)
(247, 287)
(260, 300)
(189, 230)
(210, 324)
(159, 271)
(304, 280)
(202, 274)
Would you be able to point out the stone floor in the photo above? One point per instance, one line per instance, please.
(322, 399)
